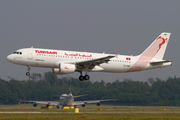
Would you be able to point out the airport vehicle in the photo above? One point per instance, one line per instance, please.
(66, 62)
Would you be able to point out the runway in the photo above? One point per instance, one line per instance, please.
(28, 108)
(55, 112)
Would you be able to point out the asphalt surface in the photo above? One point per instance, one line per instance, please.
(20, 112)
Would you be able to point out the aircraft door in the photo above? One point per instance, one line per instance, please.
(30, 54)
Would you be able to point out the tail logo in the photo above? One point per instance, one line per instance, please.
(153, 50)
(163, 41)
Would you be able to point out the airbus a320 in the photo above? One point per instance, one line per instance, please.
(65, 62)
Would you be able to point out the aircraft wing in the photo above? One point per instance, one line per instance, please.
(92, 63)
(90, 101)
(44, 102)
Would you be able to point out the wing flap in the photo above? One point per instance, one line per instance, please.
(90, 64)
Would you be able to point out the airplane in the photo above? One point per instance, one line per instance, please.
(66, 62)
(67, 100)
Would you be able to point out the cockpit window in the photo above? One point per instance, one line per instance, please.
(18, 53)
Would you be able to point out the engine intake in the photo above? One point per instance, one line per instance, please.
(98, 104)
(34, 104)
(47, 105)
(83, 105)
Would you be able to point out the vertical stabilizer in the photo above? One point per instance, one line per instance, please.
(154, 52)
(158, 47)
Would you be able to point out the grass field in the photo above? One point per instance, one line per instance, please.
(91, 116)
(89, 107)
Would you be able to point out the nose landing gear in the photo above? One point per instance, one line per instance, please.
(28, 73)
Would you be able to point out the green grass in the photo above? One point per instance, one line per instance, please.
(89, 107)
(92, 116)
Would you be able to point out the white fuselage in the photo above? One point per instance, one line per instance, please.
(66, 100)
(50, 58)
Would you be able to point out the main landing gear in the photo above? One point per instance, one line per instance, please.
(28, 73)
(86, 77)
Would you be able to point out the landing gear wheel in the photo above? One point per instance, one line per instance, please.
(86, 77)
(27, 73)
(57, 107)
(81, 78)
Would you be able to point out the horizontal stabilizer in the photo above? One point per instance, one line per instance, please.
(79, 95)
(160, 62)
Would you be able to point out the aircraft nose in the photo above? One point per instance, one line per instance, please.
(9, 58)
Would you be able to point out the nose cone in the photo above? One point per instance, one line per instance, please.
(9, 58)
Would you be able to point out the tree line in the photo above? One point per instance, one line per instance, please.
(49, 87)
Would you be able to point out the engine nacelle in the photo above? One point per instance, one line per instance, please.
(98, 104)
(83, 105)
(34, 104)
(57, 106)
(47, 105)
(64, 69)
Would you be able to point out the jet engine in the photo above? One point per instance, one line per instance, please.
(98, 104)
(34, 104)
(83, 105)
(57, 106)
(47, 105)
(64, 69)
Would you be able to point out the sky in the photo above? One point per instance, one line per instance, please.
(125, 27)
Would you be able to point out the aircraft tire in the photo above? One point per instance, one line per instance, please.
(81, 78)
(27, 73)
(86, 77)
